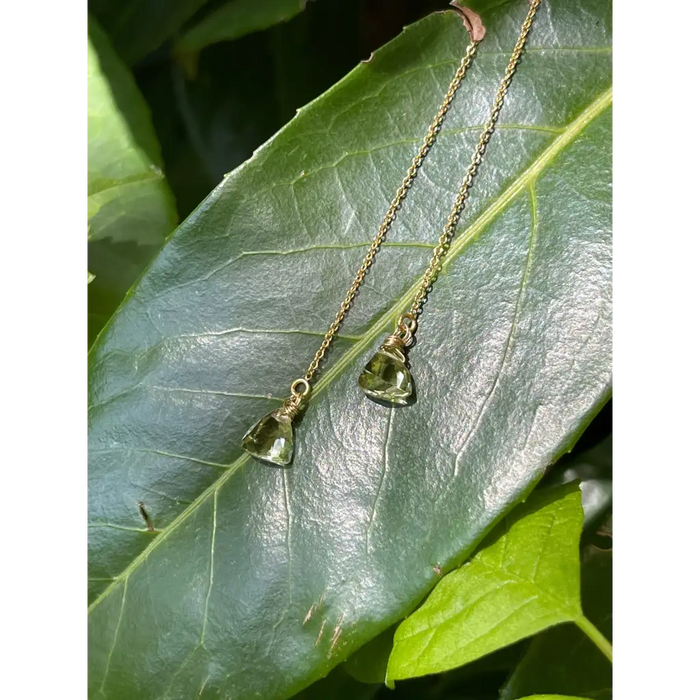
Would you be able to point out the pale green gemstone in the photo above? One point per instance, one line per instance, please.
(271, 439)
(386, 378)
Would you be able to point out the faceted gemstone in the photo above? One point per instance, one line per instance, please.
(386, 378)
(271, 439)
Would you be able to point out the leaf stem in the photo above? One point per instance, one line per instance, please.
(595, 635)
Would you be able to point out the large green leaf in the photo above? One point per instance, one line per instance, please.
(563, 659)
(512, 361)
(525, 580)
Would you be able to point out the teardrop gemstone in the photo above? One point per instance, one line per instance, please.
(271, 439)
(386, 378)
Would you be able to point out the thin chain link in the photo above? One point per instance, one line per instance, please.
(395, 205)
(443, 245)
(434, 268)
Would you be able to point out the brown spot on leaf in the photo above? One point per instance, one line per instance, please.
(146, 517)
(336, 634)
(309, 614)
(471, 20)
(320, 634)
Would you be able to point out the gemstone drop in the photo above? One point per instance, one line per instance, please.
(271, 439)
(386, 378)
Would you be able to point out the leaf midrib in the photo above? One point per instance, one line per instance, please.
(529, 175)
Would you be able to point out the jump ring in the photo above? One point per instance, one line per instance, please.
(304, 391)
(407, 322)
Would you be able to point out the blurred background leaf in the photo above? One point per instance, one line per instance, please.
(138, 27)
(130, 207)
(128, 198)
(235, 19)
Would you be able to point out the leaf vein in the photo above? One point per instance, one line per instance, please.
(385, 466)
(509, 340)
(211, 567)
(114, 641)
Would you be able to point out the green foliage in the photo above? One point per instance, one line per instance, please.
(254, 581)
(563, 660)
(234, 19)
(128, 198)
(523, 582)
(140, 26)
(130, 207)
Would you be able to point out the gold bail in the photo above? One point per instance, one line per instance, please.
(300, 391)
(403, 336)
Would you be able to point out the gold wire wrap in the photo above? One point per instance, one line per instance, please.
(295, 403)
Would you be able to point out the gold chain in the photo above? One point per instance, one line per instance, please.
(443, 245)
(395, 205)
(407, 323)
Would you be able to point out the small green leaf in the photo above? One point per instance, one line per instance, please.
(592, 469)
(138, 27)
(235, 19)
(563, 659)
(90, 277)
(525, 580)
